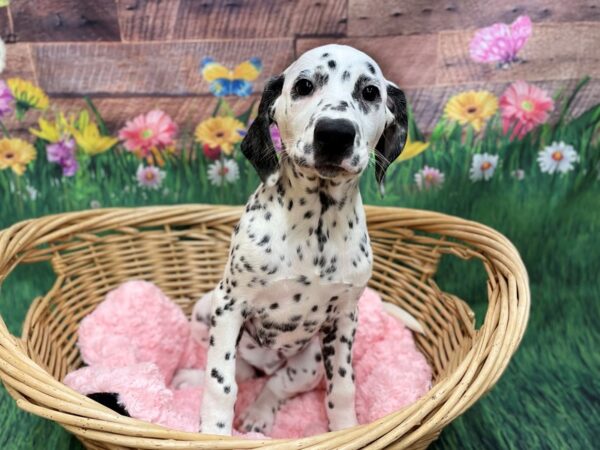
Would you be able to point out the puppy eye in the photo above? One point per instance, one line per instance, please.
(303, 87)
(370, 93)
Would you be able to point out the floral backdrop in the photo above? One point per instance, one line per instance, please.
(521, 161)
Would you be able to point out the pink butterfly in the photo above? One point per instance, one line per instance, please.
(500, 42)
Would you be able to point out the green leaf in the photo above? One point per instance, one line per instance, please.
(99, 120)
(568, 103)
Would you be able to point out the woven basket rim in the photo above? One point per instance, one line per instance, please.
(499, 336)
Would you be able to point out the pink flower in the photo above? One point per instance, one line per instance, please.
(429, 177)
(500, 43)
(6, 99)
(523, 107)
(147, 131)
(212, 153)
(149, 177)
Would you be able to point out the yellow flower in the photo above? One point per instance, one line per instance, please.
(472, 107)
(89, 139)
(412, 149)
(53, 132)
(27, 96)
(220, 132)
(15, 154)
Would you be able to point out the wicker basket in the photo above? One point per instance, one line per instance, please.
(184, 248)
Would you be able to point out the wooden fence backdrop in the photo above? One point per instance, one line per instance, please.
(134, 55)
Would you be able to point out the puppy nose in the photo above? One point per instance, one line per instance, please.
(334, 138)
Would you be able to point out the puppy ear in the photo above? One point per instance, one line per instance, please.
(257, 145)
(392, 140)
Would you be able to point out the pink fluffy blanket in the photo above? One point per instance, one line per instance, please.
(136, 340)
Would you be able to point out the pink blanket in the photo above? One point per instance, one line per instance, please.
(135, 341)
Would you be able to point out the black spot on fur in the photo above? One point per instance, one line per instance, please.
(274, 306)
(331, 64)
(326, 201)
(345, 75)
(320, 79)
(217, 375)
(371, 68)
(342, 372)
(297, 297)
(341, 106)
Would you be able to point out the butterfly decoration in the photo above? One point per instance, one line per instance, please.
(500, 42)
(224, 81)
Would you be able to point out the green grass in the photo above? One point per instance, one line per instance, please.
(549, 396)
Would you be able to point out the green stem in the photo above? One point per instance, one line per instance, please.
(4, 129)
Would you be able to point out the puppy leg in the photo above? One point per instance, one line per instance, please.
(337, 338)
(302, 373)
(220, 387)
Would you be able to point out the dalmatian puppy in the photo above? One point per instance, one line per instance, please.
(300, 256)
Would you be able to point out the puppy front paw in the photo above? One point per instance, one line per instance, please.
(258, 419)
(219, 428)
(342, 421)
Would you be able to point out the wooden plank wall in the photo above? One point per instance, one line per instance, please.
(133, 55)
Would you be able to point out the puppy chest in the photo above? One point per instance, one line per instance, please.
(286, 316)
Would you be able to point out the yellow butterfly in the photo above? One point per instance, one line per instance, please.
(224, 81)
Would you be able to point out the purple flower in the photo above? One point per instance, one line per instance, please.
(6, 99)
(63, 153)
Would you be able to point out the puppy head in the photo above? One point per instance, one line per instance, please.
(333, 106)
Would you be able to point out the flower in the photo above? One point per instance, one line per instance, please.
(27, 96)
(223, 171)
(518, 174)
(483, 166)
(152, 130)
(63, 153)
(6, 99)
(472, 107)
(429, 177)
(149, 177)
(212, 153)
(500, 43)
(220, 131)
(276, 137)
(558, 157)
(412, 149)
(89, 139)
(523, 107)
(15, 154)
(54, 132)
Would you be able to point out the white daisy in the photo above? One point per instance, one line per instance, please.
(483, 166)
(149, 177)
(558, 157)
(429, 177)
(220, 173)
